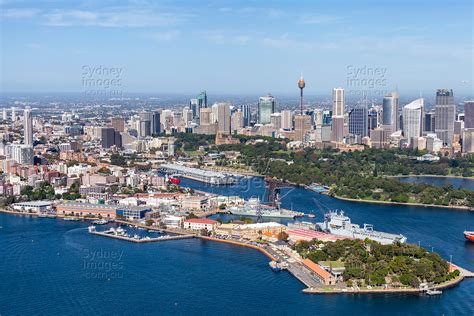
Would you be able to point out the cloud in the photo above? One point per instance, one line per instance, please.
(320, 19)
(115, 17)
(220, 37)
(19, 13)
(163, 36)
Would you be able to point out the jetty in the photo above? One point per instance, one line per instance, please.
(135, 238)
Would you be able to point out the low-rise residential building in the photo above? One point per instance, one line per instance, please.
(200, 223)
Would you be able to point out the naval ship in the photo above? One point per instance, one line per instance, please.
(339, 224)
(253, 207)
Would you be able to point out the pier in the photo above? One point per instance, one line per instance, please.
(141, 240)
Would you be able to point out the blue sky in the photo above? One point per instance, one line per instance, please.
(236, 46)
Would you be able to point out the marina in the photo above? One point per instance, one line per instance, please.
(121, 234)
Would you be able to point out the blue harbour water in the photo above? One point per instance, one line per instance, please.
(54, 267)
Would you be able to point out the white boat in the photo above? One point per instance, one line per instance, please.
(136, 237)
(68, 218)
(91, 229)
(120, 231)
(100, 222)
(433, 292)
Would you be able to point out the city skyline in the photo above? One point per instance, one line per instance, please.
(236, 47)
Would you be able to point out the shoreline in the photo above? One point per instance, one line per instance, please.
(460, 208)
(429, 176)
(442, 286)
(323, 290)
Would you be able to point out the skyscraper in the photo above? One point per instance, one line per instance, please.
(302, 126)
(202, 100)
(390, 120)
(266, 107)
(118, 123)
(107, 137)
(358, 121)
(28, 122)
(469, 114)
(223, 118)
(412, 119)
(193, 104)
(445, 116)
(338, 114)
(301, 85)
(145, 124)
(13, 114)
(286, 119)
(429, 122)
(156, 123)
(245, 108)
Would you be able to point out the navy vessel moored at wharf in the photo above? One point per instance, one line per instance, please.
(339, 224)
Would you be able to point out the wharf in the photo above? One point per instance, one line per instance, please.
(142, 240)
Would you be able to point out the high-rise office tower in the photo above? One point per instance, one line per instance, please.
(302, 126)
(223, 118)
(13, 114)
(28, 122)
(413, 119)
(287, 119)
(237, 121)
(338, 102)
(245, 108)
(145, 124)
(266, 106)
(205, 116)
(469, 114)
(193, 104)
(429, 120)
(373, 119)
(118, 123)
(445, 110)
(390, 118)
(5, 115)
(276, 121)
(358, 121)
(156, 123)
(202, 100)
(107, 137)
(301, 85)
(187, 115)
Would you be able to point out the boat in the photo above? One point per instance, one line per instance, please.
(433, 292)
(91, 229)
(274, 266)
(43, 215)
(318, 188)
(469, 235)
(69, 218)
(253, 207)
(100, 222)
(338, 224)
(136, 237)
(311, 215)
(120, 231)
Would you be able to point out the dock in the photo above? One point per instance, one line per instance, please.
(141, 240)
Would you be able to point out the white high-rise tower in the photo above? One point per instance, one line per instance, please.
(28, 122)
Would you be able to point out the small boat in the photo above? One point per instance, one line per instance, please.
(274, 266)
(91, 229)
(42, 215)
(136, 237)
(68, 218)
(433, 292)
(100, 222)
(120, 231)
(469, 235)
(51, 216)
(311, 215)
